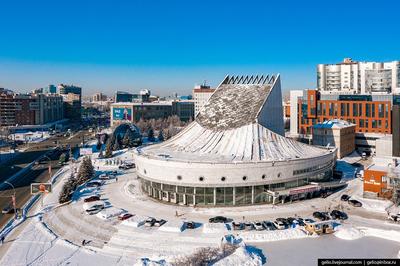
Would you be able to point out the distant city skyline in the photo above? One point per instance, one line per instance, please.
(169, 47)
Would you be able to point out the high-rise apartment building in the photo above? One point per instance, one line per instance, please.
(72, 96)
(359, 77)
(201, 94)
(30, 109)
(99, 97)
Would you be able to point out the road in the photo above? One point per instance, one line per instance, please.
(38, 173)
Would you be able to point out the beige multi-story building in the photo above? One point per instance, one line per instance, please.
(201, 94)
(337, 133)
(359, 77)
(99, 97)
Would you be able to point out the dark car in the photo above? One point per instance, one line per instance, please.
(269, 226)
(7, 210)
(344, 197)
(190, 225)
(160, 222)
(124, 216)
(150, 222)
(355, 203)
(91, 198)
(93, 184)
(338, 215)
(320, 216)
(218, 219)
(237, 226)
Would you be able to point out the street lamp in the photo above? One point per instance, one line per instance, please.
(13, 197)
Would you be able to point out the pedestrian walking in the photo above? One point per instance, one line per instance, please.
(83, 242)
(2, 240)
(116, 179)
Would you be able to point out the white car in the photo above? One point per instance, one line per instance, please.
(258, 226)
(104, 177)
(279, 225)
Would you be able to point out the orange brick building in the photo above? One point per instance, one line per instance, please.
(375, 181)
(368, 114)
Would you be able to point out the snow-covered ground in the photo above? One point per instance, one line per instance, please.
(54, 234)
(31, 137)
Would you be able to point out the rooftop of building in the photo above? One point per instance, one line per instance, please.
(334, 123)
(235, 103)
(227, 129)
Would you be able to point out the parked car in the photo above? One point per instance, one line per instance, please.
(237, 226)
(95, 209)
(309, 221)
(190, 225)
(355, 203)
(7, 210)
(320, 216)
(130, 165)
(269, 226)
(338, 215)
(122, 167)
(344, 197)
(300, 221)
(124, 216)
(218, 219)
(291, 220)
(279, 225)
(284, 221)
(258, 226)
(394, 217)
(92, 198)
(327, 215)
(159, 223)
(104, 177)
(93, 184)
(149, 222)
(248, 226)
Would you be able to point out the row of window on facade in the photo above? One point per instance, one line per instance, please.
(221, 195)
(359, 122)
(380, 110)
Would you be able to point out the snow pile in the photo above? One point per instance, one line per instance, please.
(276, 235)
(110, 213)
(135, 221)
(242, 256)
(173, 226)
(393, 235)
(32, 137)
(375, 205)
(214, 228)
(348, 233)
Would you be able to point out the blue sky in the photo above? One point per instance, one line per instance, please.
(168, 46)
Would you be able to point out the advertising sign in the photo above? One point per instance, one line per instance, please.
(122, 113)
(40, 188)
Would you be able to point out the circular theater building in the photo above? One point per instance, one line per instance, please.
(235, 152)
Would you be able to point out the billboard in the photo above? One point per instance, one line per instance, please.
(40, 188)
(122, 113)
(85, 151)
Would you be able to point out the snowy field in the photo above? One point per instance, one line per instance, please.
(54, 235)
(303, 252)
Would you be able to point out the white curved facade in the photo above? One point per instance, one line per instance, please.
(236, 148)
